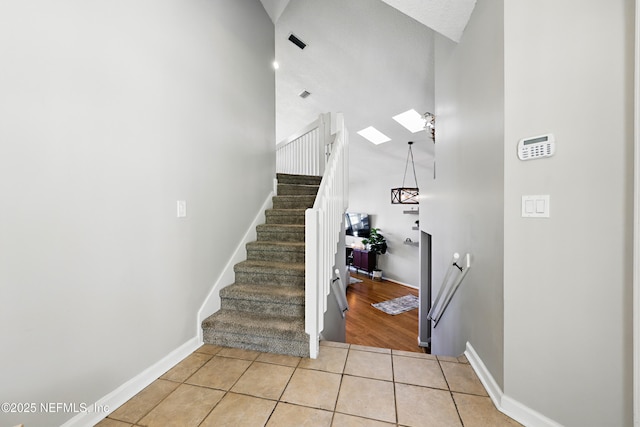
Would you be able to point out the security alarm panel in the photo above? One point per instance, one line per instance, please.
(536, 147)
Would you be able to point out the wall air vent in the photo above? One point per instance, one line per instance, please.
(293, 39)
(304, 94)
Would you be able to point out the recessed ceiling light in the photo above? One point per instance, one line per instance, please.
(412, 120)
(276, 65)
(374, 135)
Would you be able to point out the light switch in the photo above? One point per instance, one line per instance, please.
(182, 208)
(528, 206)
(535, 206)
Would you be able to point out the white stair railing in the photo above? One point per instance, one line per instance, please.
(321, 149)
(305, 152)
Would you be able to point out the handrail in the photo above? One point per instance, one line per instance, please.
(440, 306)
(339, 292)
(315, 150)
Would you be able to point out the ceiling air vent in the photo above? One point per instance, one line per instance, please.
(304, 94)
(293, 39)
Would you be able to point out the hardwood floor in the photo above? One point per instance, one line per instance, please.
(369, 326)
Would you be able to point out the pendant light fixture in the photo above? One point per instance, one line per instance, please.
(406, 195)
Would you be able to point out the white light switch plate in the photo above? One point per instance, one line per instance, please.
(182, 208)
(536, 206)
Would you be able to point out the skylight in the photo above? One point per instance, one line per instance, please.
(412, 120)
(374, 135)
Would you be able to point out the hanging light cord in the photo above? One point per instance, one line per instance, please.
(406, 166)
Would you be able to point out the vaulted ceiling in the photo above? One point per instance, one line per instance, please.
(447, 17)
(369, 59)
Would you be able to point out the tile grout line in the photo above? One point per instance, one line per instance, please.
(451, 393)
(335, 405)
(295, 368)
(395, 397)
(169, 394)
(223, 396)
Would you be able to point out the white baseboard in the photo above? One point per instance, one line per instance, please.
(390, 280)
(401, 283)
(505, 404)
(126, 391)
(487, 380)
(211, 303)
(525, 415)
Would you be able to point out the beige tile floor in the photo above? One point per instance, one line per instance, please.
(348, 385)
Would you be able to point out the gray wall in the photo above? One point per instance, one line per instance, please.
(464, 208)
(568, 70)
(562, 284)
(112, 111)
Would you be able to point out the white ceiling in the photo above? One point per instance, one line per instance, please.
(366, 59)
(274, 8)
(448, 17)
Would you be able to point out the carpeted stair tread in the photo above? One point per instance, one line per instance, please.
(275, 300)
(280, 246)
(297, 190)
(252, 331)
(265, 250)
(274, 293)
(281, 232)
(285, 216)
(284, 178)
(293, 202)
(286, 268)
(286, 228)
(256, 322)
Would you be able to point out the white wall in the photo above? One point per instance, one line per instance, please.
(112, 111)
(568, 70)
(463, 210)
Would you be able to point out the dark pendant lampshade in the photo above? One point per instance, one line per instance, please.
(406, 195)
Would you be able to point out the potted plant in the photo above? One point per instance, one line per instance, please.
(377, 244)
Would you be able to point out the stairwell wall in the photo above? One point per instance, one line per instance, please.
(561, 284)
(463, 210)
(112, 111)
(568, 278)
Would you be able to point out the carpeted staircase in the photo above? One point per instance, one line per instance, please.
(264, 309)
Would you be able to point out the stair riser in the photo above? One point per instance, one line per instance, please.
(297, 190)
(264, 307)
(257, 343)
(298, 179)
(280, 236)
(293, 202)
(274, 278)
(297, 219)
(275, 256)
